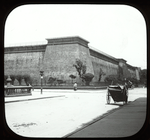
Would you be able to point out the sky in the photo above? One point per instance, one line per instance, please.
(118, 30)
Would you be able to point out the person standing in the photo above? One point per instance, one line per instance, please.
(75, 86)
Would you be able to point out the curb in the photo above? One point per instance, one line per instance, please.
(79, 88)
(94, 120)
(20, 100)
(33, 99)
(18, 95)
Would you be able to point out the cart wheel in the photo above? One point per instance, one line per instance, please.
(108, 97)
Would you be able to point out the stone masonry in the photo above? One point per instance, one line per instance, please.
(56, 59)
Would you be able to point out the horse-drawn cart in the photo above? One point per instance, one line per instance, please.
(118, 93)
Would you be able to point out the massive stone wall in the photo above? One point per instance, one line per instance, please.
(61, 54)
(19, 61)
(57, 57)
(58, 61)
(103, 63)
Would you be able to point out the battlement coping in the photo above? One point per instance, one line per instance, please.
(68, 40)
(25, 49)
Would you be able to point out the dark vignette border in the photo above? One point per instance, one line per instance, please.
(7, 6)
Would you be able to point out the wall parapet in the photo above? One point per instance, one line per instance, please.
(103, 56)
(68, 40)
(57, 56)
(25, 49)
(131, 67)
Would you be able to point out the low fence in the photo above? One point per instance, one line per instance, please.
(17, 90)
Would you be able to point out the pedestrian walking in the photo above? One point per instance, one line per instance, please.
(75, 86)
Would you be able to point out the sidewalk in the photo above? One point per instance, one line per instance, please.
(36, 94)
(124, 122)
(47, 93)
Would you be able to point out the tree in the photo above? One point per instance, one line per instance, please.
(72, 77)
(87, 78)
(83, 69)
(80, 67)
(101, 73)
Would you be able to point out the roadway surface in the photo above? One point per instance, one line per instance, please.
(60, 113)
(124, 122)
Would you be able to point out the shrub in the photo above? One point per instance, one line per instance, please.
(27, 79)
(55, 82)
(112, 79)
(13, 77)
(72, 77)
(5, 77)
(51, 80)
(133, 80)
(60, 81)
(19, 78)
(117, 80)
(143, 76)
(87, 78)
